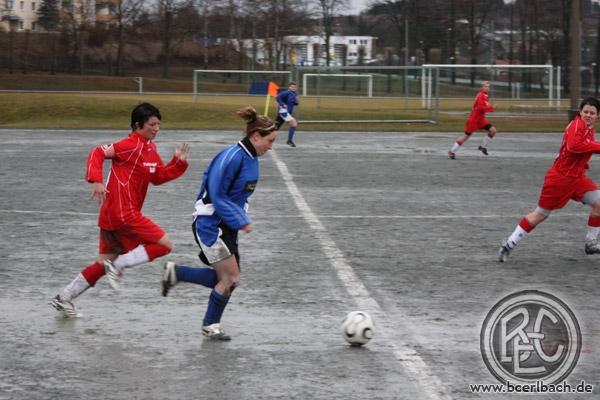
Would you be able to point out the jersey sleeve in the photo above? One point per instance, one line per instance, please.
(220, 179)
(577, 142)
(165, 173)
(95, 160)
(281, 99)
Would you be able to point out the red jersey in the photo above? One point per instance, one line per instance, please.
(136, 163)
(577, 147)
(476, 120)
(481, 105)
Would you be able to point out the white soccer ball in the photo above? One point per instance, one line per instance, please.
(357, 328)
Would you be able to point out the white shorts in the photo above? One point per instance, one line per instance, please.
(220, 249)
(285, 115)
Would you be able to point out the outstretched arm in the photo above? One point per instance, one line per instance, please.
(175, 168)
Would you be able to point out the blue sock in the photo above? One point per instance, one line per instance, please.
(216, 306)
(291, 132)
(202, 276)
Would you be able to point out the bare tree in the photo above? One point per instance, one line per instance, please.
(127, 12)
(328, 9)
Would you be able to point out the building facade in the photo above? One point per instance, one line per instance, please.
(310, 50)
(21, 15)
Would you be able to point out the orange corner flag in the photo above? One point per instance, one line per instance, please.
(273, 87)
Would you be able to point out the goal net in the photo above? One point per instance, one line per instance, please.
(518, 86)
(337, 85)
(382, 94)
(233, 82)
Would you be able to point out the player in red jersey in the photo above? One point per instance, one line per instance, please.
(566, 180)
(477, 121)
(127, 237)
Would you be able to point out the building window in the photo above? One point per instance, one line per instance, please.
(352, 41)
(8, 4)
(34, 26)
(22, 5)
(33, 6)
(363, 41)
(21, 25)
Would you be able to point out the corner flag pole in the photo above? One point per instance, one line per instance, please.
(267, 105)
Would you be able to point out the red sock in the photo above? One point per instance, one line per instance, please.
(156, 250)
(527, 227)
(594, 221)
(93, 272)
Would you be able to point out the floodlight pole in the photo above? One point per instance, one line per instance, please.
(575, 31)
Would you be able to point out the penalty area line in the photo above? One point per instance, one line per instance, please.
(425, 381)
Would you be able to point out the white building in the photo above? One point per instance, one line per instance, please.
(22, 14)
(310, 50)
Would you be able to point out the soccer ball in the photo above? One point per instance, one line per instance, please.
(357, 328)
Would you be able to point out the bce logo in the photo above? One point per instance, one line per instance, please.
(530, 336)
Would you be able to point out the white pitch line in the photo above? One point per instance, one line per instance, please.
(425, 381)
(48, 212)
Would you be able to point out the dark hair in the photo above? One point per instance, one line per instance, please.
(142, 113)
(590, 101)
(292, 83)
(256, 123)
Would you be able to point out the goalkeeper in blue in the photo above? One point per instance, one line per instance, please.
(286, 101)
(220, 212)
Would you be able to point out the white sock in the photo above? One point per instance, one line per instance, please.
(134, 257)
(518, 235)
(74, 289)
(486, 141)
(455, 147)
(592, 233)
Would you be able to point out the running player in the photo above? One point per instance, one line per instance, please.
(477, 121)
(287, 100)
(127, 237)
(566, 180)
(221, 205)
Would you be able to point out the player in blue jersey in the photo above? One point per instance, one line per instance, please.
(286, 101)
(221, 205)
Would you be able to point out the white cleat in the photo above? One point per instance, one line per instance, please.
(503, 253)
(215, 332)
(113, 275)
(592, 246)
(169, 278)
(66, 308)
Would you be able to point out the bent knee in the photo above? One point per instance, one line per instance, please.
(166, 242)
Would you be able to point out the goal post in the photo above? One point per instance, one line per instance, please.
(233, 82)
(319, 77)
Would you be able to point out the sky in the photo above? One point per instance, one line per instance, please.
(356, 6)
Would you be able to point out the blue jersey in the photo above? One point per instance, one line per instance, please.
(287, 98)
(227, 183)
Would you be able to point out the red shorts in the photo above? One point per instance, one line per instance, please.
(141, 231)
(474, 125)
(558, 189)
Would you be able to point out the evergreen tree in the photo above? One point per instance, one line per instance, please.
(49, 15)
